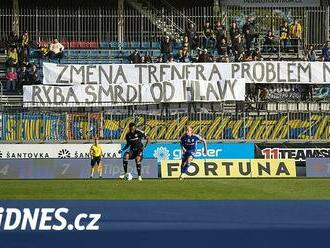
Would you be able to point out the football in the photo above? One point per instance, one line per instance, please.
(129, 176)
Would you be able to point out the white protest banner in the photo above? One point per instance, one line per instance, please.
(265, 72)
(80, 95)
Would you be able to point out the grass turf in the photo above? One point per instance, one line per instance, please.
(167, 189)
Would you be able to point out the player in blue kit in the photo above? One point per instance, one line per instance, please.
(189, 143)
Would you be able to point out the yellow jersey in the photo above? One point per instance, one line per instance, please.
(96, 150)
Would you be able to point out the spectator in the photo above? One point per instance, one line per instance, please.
(12, 57)
(134, 57)
(184, 50)
(269, 43)
(25, 63)
(284, 36)
(249, 39)
(13, 40)
(166, 48)
(34, 75)
(56, 50)
(326, 52)
(204, 56)
(222, 47)
(220, 32)
(43, 51)
(22, 78)
(192, 36)
(311, 54)
(238, 49)
(208, 35)
(25, 50)
(11, 77)
(184, 56)
(248, 25)
(171, 59)
(234, 35)
(256, 55)
(225, 58)
(142, 59)
(148, 58)
(296, 34)
(160, 59)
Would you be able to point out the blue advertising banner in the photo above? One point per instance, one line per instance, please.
(25, 224)
(318, 167)
(69, 168)
(171, 151)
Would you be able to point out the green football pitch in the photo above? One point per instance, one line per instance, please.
(166, 189)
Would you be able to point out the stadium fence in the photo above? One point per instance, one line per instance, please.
(75, 126)
(80, 23)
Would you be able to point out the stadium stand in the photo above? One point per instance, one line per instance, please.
(92, 35)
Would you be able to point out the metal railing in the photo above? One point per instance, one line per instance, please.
(101, 24)
(71, 126)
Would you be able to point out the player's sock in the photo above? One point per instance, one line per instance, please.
(125, 163)
(184, 168)
(92, 171)
(100, 170)
(138, 168)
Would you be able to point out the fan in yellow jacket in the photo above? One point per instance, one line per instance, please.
(96, 155)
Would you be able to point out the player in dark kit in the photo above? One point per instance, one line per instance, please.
(134, 139)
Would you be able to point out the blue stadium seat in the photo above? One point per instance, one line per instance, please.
(65, 61)
(125, 45)
(194, 53)
(135, 45)
(104, 61)
(145, 45)
(156, 53)
(73, 53)
(114, 45)
(214, 52)
(115, 53)
(116, 61)
(177, 45)
(155, 45)
(93, 53)
(103, 54)
(175, 52)
(84, 54)
(104, 45)
(126, 53)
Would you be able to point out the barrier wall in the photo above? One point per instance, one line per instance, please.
(318, 167)
(82, 126)
(244, 157)
(69, 168)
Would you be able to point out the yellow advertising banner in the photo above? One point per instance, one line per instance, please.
(223, 168)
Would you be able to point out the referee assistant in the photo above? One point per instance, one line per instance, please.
(96, 154)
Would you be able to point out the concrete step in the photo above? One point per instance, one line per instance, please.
(11, 100)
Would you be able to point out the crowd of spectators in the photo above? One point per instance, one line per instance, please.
(214, 43)
(236, 44)
(19, 71)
